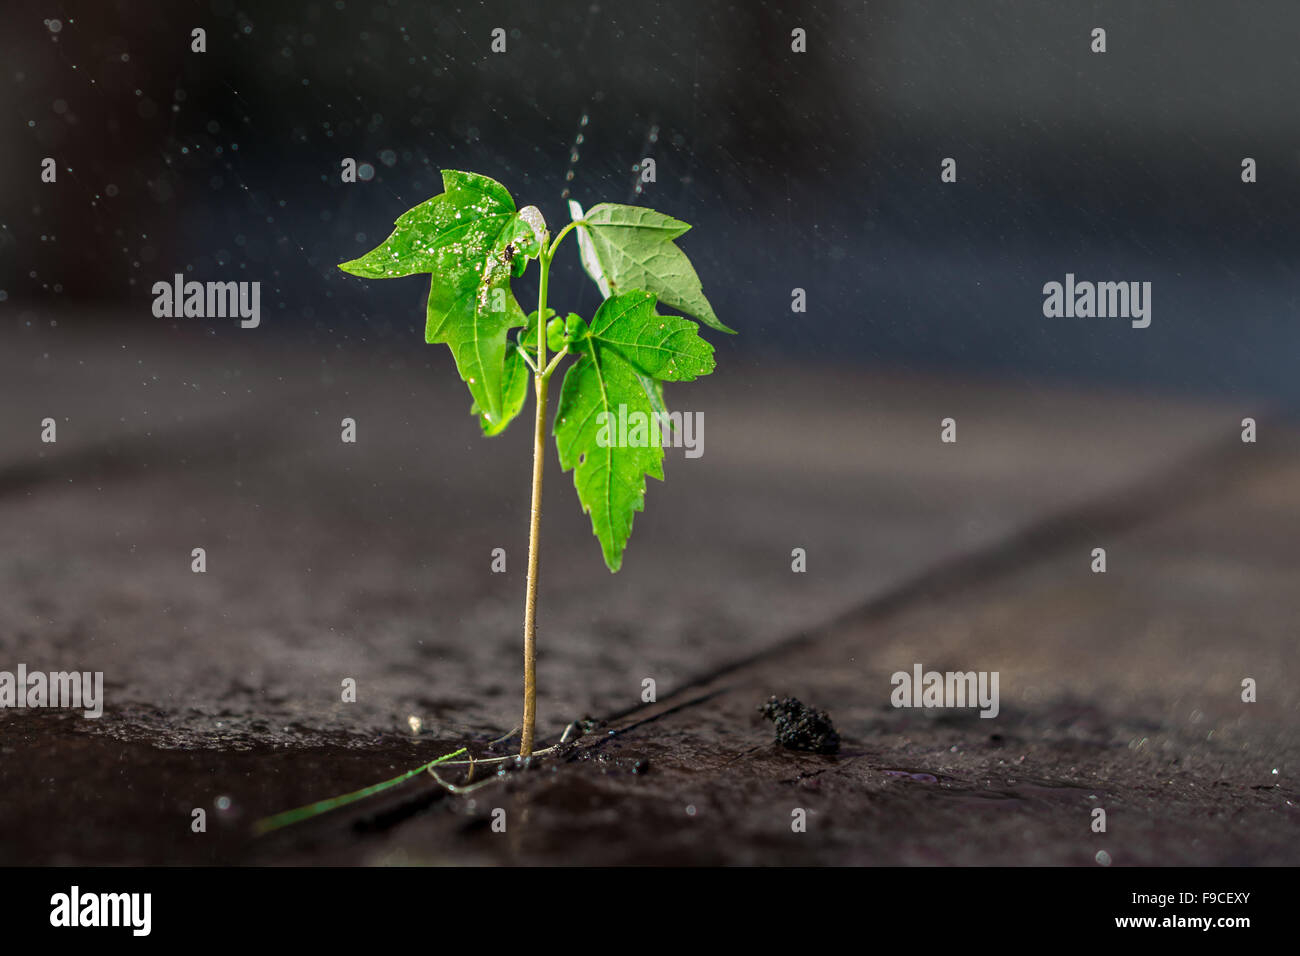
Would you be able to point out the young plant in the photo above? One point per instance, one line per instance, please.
(473, 243)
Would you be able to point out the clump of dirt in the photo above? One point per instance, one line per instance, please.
(799, 727)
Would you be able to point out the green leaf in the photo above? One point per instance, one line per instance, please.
(514, 392)
(472, 241)
(623, 358)
(555, 334)
(631, 247)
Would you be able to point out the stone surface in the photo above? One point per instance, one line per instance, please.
(371, 561)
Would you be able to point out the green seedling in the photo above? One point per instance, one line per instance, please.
(474, 243)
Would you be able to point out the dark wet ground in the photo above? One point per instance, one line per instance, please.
(328, 561)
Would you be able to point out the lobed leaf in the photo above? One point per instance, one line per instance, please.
(631, 247)
(623, 358)
(472, 241)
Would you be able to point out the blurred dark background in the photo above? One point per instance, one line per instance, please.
(817, 170)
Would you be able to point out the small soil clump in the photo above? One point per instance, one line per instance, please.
(799, 727)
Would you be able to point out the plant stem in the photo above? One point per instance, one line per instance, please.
(530, 601)
(546, 373)
(523, 354)
(541, 386)
(541, 383)
(324, 806)
(562, 233)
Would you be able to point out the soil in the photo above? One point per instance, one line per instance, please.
(1120, 691)
(800, 727)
